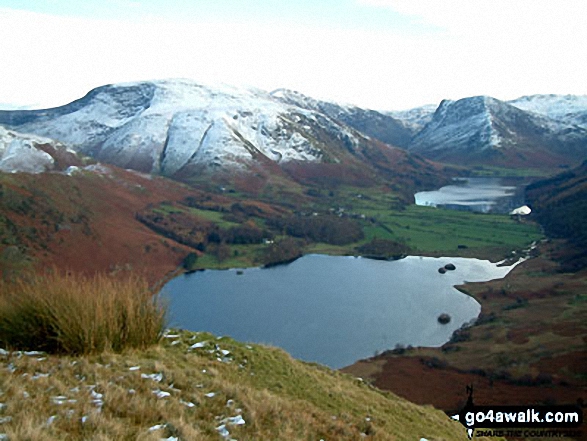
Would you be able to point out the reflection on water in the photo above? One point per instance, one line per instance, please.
(333, 310)
(496, 195)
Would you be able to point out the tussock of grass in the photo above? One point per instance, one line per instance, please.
(73, 314)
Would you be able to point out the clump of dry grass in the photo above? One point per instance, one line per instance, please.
(74, 314)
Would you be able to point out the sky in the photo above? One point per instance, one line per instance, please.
(378, 54)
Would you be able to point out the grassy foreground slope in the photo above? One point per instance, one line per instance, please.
(196, 386)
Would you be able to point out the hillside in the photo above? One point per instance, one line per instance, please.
(377, 125)
(100, 218)
(560, 205)
(85, 222)
(194, 386)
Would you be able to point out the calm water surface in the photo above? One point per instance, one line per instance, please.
(332, 310)
(496, 195)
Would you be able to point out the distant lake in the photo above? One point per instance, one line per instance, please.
(496, 195)
(332, 310)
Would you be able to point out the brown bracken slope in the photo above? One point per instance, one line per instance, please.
(86, 222)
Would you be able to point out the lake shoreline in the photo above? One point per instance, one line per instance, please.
(347, 291)
(496, 255)
(533, 322)
(497, 195)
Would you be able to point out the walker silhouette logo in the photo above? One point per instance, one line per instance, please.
(545, 418)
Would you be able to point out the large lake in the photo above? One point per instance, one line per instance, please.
(332, 310)
(496, 195)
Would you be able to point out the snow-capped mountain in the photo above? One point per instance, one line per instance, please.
(377, 125)
(568, 109)
(415, 118)
(32, 154)
(180, 128)
(484, 130)
(462, 125)
(164, 126)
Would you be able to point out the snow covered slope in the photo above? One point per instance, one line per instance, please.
(568, 109)
(166, 126)
(179, 128)
(462, 125)
(32, 154)
(484, 130)
(415, 118)
(377, 125)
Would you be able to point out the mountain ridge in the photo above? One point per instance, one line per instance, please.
(378, 125)
(569, 109)
(183, 128)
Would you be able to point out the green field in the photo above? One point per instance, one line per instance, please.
(211, 215)
(214, 216)
(494, 171)
(431, 230)
(241, 256)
